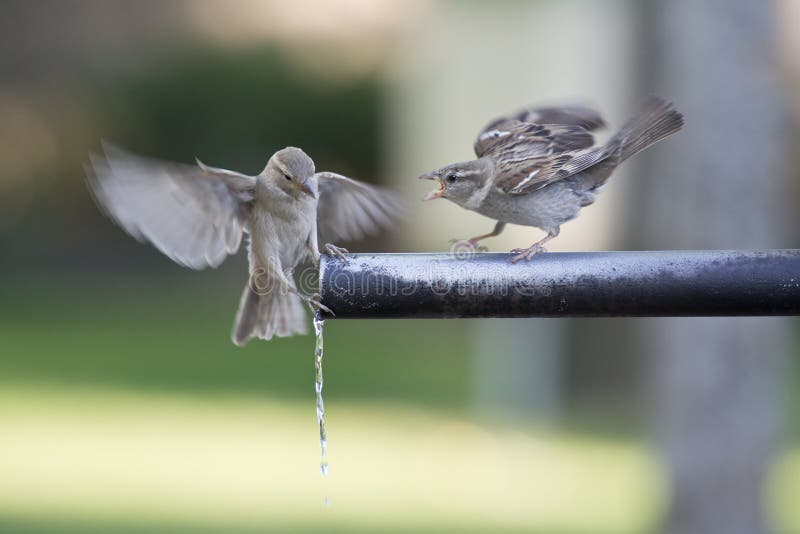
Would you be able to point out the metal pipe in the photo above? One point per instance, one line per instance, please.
(575, 284)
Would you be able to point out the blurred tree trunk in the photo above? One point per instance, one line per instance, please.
(721, 183)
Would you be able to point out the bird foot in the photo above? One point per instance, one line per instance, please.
(466, 245)
(527, 253)
(313, 302)
(333, 250)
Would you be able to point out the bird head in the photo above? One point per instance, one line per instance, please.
(457, 182)
(293, 171)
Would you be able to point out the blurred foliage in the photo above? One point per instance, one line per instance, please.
(236, 109)
(169, 335)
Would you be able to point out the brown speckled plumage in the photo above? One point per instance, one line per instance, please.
(540, 166)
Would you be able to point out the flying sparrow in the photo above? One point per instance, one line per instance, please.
(196, 215)
(540, 167)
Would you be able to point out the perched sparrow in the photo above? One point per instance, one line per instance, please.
(539, 167)
(196, 215)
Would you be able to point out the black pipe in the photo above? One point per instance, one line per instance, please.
(576, 284)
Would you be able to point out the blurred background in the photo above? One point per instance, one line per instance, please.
(124, 407)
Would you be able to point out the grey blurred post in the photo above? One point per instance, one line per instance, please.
(720, 183)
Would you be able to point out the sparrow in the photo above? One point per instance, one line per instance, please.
(539, 167)
(197, 214)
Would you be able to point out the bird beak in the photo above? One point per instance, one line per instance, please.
(436, 193)
(308, 187)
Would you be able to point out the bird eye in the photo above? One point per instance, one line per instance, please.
(452, 177)
(286, 176)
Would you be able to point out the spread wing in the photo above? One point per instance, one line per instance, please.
(539, 146)
(586, 118)
(348, 210)
(194, 215)
(530, 156)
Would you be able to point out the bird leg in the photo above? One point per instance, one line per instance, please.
(472, 243)
(531, 251)
(333, 250)
(313, 302)
(261, 280)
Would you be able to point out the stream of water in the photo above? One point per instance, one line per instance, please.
(319, 350)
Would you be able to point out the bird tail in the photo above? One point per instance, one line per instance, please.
(656, 120)
(277, 313)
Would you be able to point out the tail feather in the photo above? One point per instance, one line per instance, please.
(246, 317)
(657, 120)
(278, 313)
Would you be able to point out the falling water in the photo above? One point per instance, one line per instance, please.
(323, 435)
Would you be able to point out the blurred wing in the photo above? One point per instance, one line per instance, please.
(194, 215)
(349, 210)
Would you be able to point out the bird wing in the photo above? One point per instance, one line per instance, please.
(528, 156)
(194, 215)
(583, 117)
(522, 140)
(348, 210)
(518, 176)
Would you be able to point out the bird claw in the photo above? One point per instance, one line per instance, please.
(313, 302)
(527, 253)
(333, 250)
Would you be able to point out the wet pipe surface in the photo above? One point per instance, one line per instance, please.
(574, 284)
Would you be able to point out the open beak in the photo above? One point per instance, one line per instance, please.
(436, 193)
